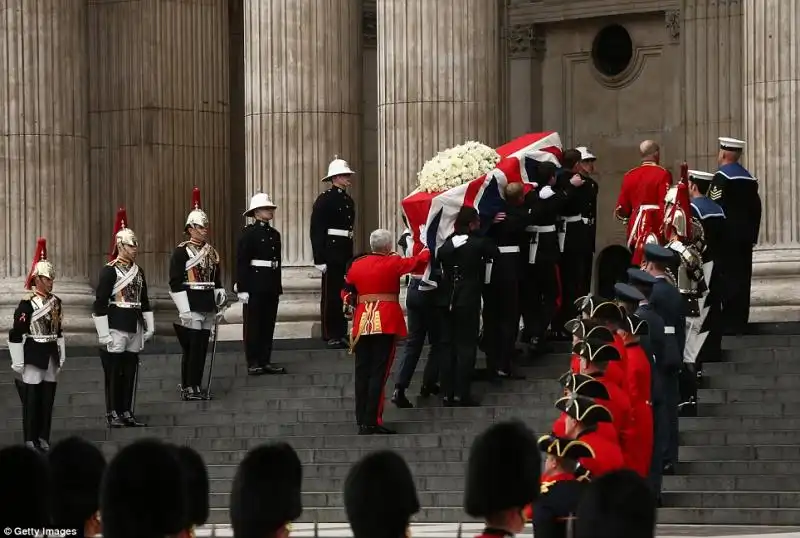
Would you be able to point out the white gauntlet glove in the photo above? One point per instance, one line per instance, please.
(150, 326)
(17, 351)
(103, 334)
(322, 267)
(243, 297)
(220, 297)
(181, 300)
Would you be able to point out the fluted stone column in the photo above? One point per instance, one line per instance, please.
(44, 151)
(159, 98)
(711, 35)
(772, 129)
(302, 63)
(438, 86)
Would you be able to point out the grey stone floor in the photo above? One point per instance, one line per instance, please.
(450, 530)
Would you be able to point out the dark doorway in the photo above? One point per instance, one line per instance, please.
(612, 265)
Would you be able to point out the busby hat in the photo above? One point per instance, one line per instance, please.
(77, 468)
(40, 266)
(503, 470)
(379, 493)
(595, 350)
(196, 217)
(583, 409)
(25, 502)
(122, 234)
(266, 493)
(561, 447)
(143, 492)
(635, 325)
(584, 385)
(196, 483)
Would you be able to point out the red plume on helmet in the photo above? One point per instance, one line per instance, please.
(196, 198)
(120, 224)
(39, 255)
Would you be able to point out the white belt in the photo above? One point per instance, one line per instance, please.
(44, 339)
(540, 229)
(200, 285)
(340, 233)
(508, 249)
(669, 330)
(638, 219)
(126, 305)
(264, 263)
(574, 218)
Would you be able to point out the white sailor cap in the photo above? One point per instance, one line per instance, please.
(701, 176)
(731, 144)
(586, 155)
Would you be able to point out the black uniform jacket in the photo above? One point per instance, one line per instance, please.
(510, 232)
(334, 209)
(580, 201)
(558, 501)
(261, 242)
(544, 210)
(653, 345)
(736, 192)
(668, 302)
(122, 319)
(37, 354)
(464, 269)
(199, 300)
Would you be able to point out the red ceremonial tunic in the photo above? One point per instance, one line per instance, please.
(620, 406)
(376, 280)
(615, 371)
(607, 454)
(643, 191)
(639, 391)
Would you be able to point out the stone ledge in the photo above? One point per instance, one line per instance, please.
(775, 294)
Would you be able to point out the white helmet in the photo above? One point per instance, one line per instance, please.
(197, 217)
(40, 266)
(258, 201)
(123, 236)
(338, 167)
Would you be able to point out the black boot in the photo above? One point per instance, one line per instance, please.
(20, 390)
(31, 413)
(184, 339)
(202, 342)
(688, 383)
(48, 398)
(131, 371)
(108, 386)
(115, 421)
(400, 400)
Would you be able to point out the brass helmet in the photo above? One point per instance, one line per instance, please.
(674, 216)
(41, 266)
(197, 217)
(123, 236)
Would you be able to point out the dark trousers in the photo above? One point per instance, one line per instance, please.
(334, 324)
(654, 477)
(672, 397)
(572, 271)
(588, 272)
(736, 280)
(420, 326)
(119, 370)
(260, 315)
(543, 298)
(460, 335)
(501, 318)
(374, 358)
(194, 343)
(37, 409)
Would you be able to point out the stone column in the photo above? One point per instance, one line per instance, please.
(712, 38)
(772, 128)
(159, 98)
(44, 150)
(302, 106)
(438, 86)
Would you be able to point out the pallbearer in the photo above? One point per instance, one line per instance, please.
(124, 322)
(258, 284)
(196, 288)
(332, 221)
(37, 350)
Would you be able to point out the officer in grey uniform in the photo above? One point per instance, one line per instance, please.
(124, 322)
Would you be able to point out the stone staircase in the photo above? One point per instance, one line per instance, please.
(740, 462)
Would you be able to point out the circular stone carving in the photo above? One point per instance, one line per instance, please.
(612, 50)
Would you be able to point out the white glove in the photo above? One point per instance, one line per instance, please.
(103, 334)
(459, 240)
(546, 192)
(322, 267)
(220, 296)
(235, 287)
(181, 300)
(17, 351)
(243, 297)
(62, 352)
(150, 326)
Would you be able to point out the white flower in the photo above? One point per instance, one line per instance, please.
(456, 166)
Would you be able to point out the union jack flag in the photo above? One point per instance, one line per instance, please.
(434, 214)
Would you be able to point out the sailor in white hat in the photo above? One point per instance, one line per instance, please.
(332, 221)
(258, 284)
(587, 160)
(736, 191)
(587, 171)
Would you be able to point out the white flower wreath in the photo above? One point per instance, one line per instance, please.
(456, 166)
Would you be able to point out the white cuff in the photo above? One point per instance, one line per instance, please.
(149, 321)
(181, 301)
(62, 349)
(17, 351)
(101, 324)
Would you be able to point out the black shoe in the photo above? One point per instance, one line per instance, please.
(668, 470)
(449, 402)
(337, 343)
(115, 421)
(255, 370)
(43, 446)
(189, 395)
(366, 430)
(428, 390)
(130, 420)
(383, 430)
(203, 394)
(272, 370)
(399, 399)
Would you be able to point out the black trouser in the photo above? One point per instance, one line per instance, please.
(544, 290)
(37, 409)
(460, 335)
(588, 271)
(654, 477)
(260, 314)
(194, 343)
(119, 371)
(672, 397)
(572, 274)
(334, 324)
(735, 283)
(501, 314)
(374, 357)
(420, 318)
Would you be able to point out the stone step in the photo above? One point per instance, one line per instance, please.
(753, 381)
(437, 514)
(347, 456)
(732, 499)
(316, 500)
(741, 452)
(729, 516)
(749, 410)
(758, 367)
(730, 438)
(730, 467)
(738, 424)
(768, 354)
(323, 471)
(749, 396)
(761, 341)
(715, 482)
(451, 483)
